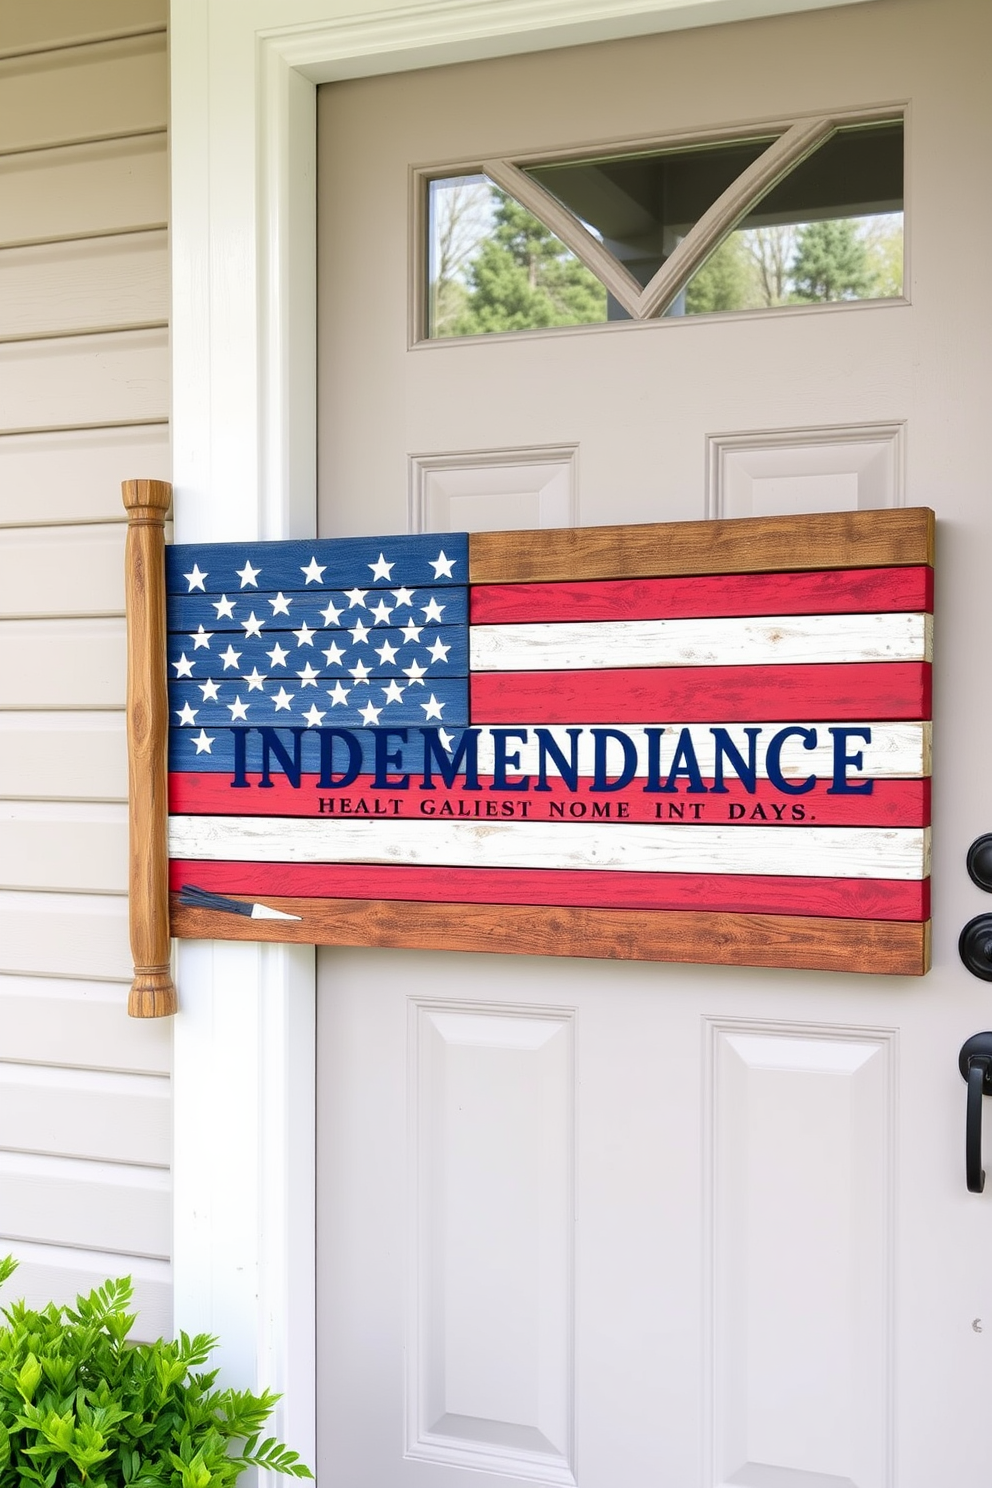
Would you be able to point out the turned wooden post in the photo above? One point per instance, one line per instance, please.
(153, 994)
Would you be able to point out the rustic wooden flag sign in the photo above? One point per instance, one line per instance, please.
(687, 742)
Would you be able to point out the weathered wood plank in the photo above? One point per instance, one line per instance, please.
(708, 641)
(860, 539)
(829, 852)
(726, 940)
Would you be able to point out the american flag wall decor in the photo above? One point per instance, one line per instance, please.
(689, 742)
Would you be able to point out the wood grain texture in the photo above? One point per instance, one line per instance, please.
(876, 946)
(895, 537)
(152, 992)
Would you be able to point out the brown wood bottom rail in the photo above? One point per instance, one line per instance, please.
(790, 941)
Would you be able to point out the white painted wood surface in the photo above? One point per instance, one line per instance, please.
(827, 852)
(770, 641)
(85, 1110)
(91, 285)
(85, 190)
(90, 92)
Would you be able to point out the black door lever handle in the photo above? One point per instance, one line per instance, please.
(975, 1064)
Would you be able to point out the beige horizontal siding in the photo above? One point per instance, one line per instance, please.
(79, 1025)
(121, 377)
(85, 1118)
(74, 476)
(118, 186)
(59, 1273)
(62, 663)
(93, 285)
(89, 1114)
(63, 756)
(62, 571)
(36, 25)
(64, 845)
(83, 93)
(117, 1207)
(71, 935)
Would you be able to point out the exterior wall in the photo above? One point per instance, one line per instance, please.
(84, 1091)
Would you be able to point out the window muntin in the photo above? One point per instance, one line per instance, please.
(828, 229)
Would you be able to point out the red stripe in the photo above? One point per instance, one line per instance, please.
(892, 803)
(841, 592)
(855, 691)
(858, 899)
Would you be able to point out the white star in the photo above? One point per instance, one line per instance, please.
(255, 680)
(196, 579)
(282, 699)
(187, 714)
(380, 568)
(370, 715)
(360, 634)
(415, 672)
(308, 674)
(224, 607)
(447, 740)
(248, 575)
(439, 651)
(280, 605)
(432, 610)
(230, 657)
(360, 672)
(277, 656)
(411, 632)
(314, 571)
(432, 709)
(331, 614)
(238, 710)
(304, 636)
(442, 565)
(334, 654)
(209, 691)
(338, 694)
(184, 667)
(394, 692)
(203, 742)
(314, 716)
(382, 612)
(355, 597)
(253, 626)
(201, 640)
(386, 653)
(403, 597)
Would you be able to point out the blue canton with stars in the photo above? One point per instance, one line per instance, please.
(344, 633)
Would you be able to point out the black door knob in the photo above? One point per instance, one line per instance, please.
(980, 862)
(975, 1064)
(975, 946)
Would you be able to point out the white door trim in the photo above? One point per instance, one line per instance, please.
(244, 75)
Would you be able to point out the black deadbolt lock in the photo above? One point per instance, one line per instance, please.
(975, 946)
(980, 862)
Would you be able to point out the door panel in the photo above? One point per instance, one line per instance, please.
(628, 1224)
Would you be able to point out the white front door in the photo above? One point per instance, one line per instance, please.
(651, 1226)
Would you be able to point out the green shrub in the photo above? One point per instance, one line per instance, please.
(79, 1404)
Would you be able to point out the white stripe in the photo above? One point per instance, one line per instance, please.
(897, 751)
(763, 641)
(817, 852)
